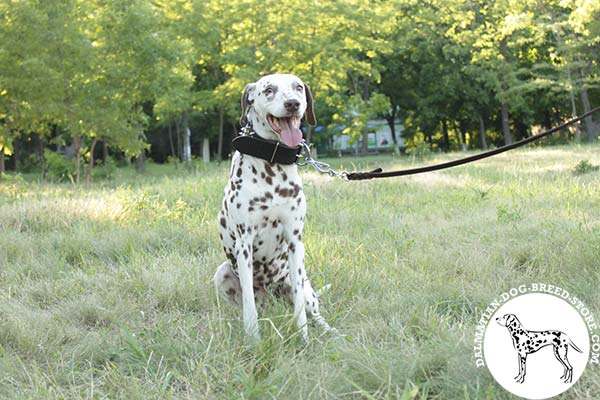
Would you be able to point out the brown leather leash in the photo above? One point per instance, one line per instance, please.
(378, 173)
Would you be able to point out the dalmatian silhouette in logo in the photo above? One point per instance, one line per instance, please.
(528, 342)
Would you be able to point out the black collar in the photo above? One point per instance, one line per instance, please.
(272, 151)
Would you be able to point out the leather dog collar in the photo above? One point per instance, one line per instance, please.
(272, 151)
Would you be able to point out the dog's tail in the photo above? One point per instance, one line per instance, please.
(573, 346)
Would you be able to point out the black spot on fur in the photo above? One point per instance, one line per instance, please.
(223, 222)
(269, 170)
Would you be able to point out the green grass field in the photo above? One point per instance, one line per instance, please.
(106, 290)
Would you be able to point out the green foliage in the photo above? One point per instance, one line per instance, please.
(105, 169)
(584, 167)
(419, 151)
(31, 163)
(110, 70)
(58, 167)
(509, 213)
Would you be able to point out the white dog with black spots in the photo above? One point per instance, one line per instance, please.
(264, 208)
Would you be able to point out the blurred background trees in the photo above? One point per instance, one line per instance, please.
(101, 80)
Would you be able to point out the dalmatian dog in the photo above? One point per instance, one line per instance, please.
(264, 209)
(527, 342)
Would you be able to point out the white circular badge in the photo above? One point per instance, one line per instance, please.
(536, 345)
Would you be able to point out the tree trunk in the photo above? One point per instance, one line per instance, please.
(178, 133)
(391, 121)
(205, 151)
(365, 144)
(392, 125)
(446, 136)
(90, 166)
(573, 106)
(482, 133)
(42, 158)
(77, 149)
(505, 125)
(589, 123)
(504, 86)
(221, 127)
(2, 167)
(187, 147)
(462, 137)
(140, 161)
(173, 155)
(104, 151)
(16, 154)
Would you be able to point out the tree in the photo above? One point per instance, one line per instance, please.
(28, 95)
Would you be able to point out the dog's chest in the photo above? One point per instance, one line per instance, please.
(266, 203)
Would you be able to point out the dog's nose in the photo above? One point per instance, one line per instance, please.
(291, 105)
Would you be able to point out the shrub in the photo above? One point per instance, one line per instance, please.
(584, 167)
(30, 164)
(59, 167)
(421, 150)
(105, 169)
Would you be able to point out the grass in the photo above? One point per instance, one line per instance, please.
(106, 291)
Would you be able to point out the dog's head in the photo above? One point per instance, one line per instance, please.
(275, 104)
(508, 320)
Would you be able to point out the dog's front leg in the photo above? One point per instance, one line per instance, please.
(244, 262)
(297, 274)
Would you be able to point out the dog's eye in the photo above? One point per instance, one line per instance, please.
(268, 91)
(299, 88)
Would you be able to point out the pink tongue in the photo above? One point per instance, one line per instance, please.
(290, 135)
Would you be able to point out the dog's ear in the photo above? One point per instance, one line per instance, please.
(310, 109)
(247, 100)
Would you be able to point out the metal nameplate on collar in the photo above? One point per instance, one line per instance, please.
(272, 151)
